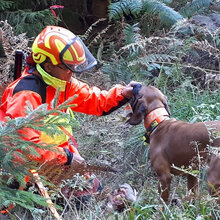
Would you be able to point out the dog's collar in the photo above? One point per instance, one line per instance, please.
(153, 119)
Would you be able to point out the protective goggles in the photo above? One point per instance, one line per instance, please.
(88, 62)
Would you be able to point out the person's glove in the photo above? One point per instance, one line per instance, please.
(128, 90)
(75, 160)
(78, 162)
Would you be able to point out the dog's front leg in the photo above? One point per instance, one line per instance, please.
(162, 168)
(161, 165)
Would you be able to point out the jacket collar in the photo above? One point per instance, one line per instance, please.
(50, 80)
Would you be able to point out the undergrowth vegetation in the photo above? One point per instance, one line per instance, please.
(110, 141)
(182, 60)
(181, 65)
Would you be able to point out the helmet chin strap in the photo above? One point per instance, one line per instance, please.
(50, 80)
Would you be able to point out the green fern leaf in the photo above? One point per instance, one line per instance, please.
(5, 5)
(167, 15)
(117, 9)
(130, 32)
(195, 7)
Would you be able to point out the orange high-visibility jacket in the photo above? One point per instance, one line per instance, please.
(30, 87)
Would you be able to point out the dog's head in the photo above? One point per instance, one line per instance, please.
(146, 99)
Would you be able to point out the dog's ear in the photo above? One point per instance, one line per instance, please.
(166, 106)
(138, 114)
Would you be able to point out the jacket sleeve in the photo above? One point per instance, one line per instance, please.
(15, 107)
(95, 101)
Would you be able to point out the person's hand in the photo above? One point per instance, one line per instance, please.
(128, 90)
(78, 162)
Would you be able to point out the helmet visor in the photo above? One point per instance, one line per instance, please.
(76, 56)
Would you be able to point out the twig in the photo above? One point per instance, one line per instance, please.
(45, 194)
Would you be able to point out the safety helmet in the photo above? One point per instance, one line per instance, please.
(62, 46)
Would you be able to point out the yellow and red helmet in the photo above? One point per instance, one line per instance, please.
(62, 46)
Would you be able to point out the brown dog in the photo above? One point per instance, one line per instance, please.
(174, 142)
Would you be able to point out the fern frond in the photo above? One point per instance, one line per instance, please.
(167, 15)
(118, 70)
(4, 5)
(127, 7)
(99, 36)
(131, 33)
(194, 7)
(26, 21)
(138, 45)
(86, 35)
(152, 58)
(206, 46)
